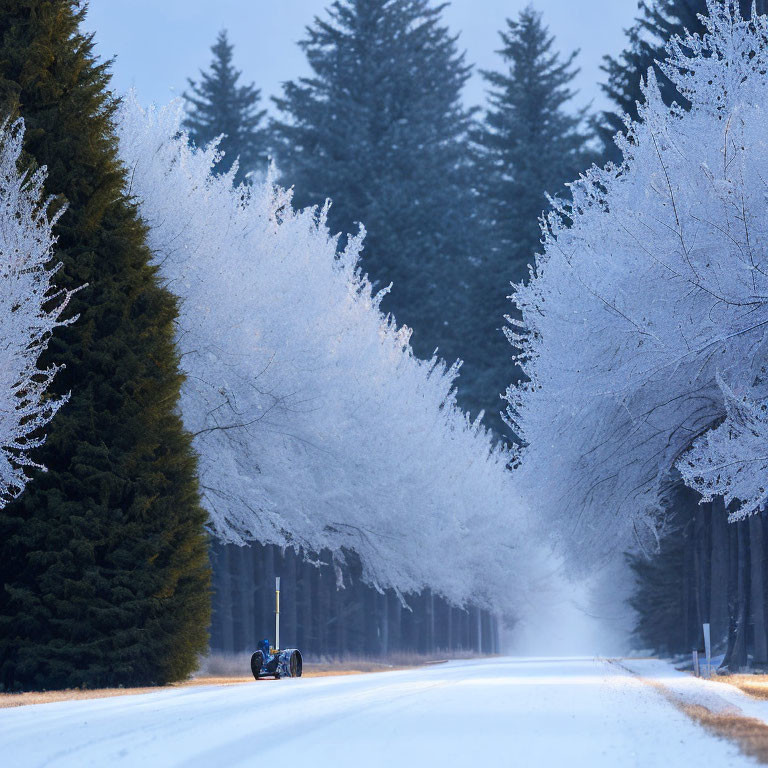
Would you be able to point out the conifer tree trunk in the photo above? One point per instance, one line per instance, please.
(430, 640)
(303, 605)
(289, 605)
(738, 587)
(382, 609)
(224, 599)
(692, 585)
(327, 590)
(340, 629)
(396, 626)
(239, 595)
(334, 618)
(217, 585)
(763, 518)
(718, 612)
(757, 594)
(371, 641)
(466, 633)
(313, 631)
(249, 597)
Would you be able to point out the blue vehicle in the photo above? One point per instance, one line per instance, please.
(272, 662)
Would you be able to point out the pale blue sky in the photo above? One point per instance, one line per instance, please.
(159, 43)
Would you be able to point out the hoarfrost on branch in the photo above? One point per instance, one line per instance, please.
(30, 309)
(315, 424)
(644, 330)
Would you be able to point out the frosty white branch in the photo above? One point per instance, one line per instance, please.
(678, 251)
(30, 309)
(315, 424)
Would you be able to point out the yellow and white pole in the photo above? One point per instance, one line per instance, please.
(277, 613)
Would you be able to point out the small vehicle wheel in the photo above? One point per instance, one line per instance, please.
(257, 663)
(295, 664)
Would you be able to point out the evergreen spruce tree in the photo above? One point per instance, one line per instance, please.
(380, 129)
(104, 558)
(218, 106)
(657, 21)
(530, 145)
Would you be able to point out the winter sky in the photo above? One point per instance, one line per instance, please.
(159, 43)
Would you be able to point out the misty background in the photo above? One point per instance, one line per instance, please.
(159, 45)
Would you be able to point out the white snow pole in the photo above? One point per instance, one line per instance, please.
(277, 613)
(708, 649)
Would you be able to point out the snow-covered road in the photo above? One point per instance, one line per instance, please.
(501, 712)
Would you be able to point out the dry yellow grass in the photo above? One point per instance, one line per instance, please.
(48, 697)
(748, 733)
(754, 685)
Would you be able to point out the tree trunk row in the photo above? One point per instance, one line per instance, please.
(325, 620)
(723, 582)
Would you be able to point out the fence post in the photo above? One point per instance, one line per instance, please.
(708, 649)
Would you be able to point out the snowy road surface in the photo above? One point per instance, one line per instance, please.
(502, 712)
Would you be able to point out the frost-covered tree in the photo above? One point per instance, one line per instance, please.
(731, 460)
(315, 424)
(30, 309)
(380, 128)
(219, 108)
(657, 22)
(531, 143)
(645, 323)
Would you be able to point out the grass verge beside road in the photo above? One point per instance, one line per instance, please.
(229, 669)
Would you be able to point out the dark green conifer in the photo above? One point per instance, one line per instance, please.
(530, 145)
(103, 559)
(380, 129)
(218, 106)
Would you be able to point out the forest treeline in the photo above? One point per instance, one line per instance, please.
(331, 612)
(233, 394)
(358, 123)
(449, 198)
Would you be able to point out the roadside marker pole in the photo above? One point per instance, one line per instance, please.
(277, 613)
(708, 649)
(696, 663)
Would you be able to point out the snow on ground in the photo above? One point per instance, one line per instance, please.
(498, 712)
(716, 695)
